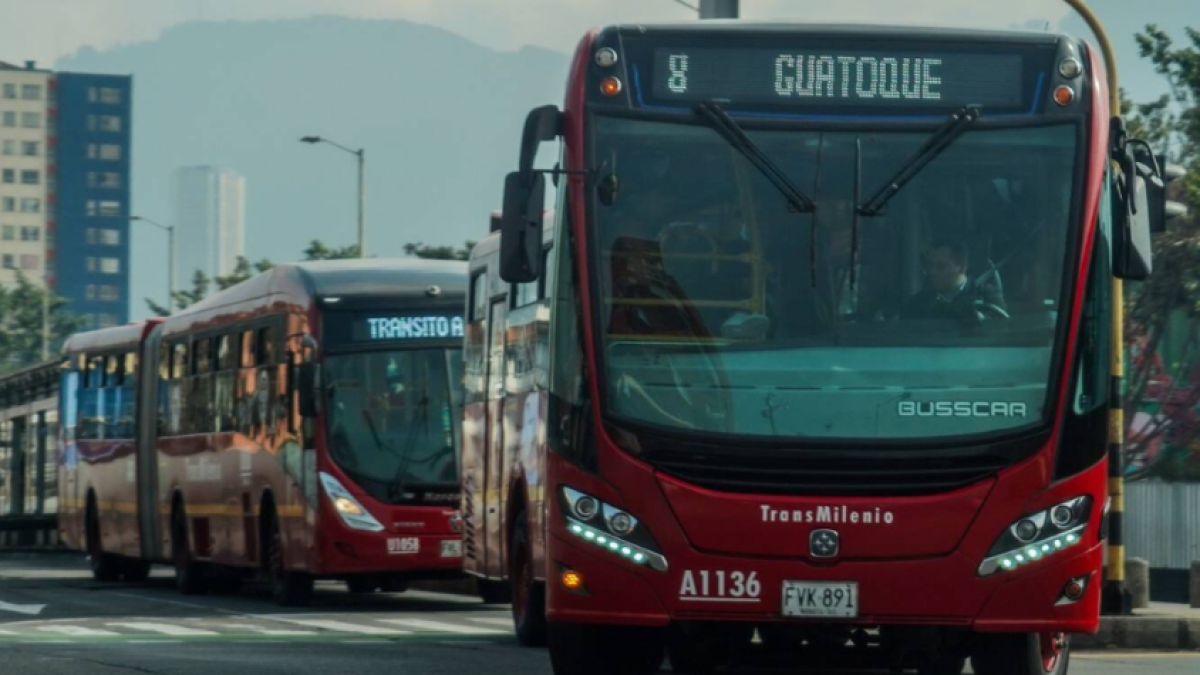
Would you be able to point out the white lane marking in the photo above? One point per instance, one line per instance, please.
(494, 621)
(78, 631)
(165, 629)
(154, 642)
(260, 630)
(439, 627)
(28, 610)
(346, 627)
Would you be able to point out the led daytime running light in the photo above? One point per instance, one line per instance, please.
(624, 549)
(1031, 553)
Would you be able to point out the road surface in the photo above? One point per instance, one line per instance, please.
(54, 620)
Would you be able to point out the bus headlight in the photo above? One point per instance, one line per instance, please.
(347, 507)
(611, 529)
(1038, 536)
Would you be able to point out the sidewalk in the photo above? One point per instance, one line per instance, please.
(1162, 626)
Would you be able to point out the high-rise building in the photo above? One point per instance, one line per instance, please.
(64, 187)
(92, 243)
(210, 220)
(26, 171)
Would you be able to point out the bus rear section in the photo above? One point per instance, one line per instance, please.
(829, 326)
(101, 505)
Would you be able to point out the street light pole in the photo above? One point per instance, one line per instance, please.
(170, 230)
(361, 154)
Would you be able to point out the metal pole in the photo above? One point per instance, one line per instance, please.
(1115, 597)
(362, 197)
(719, 9)
(170, 268)
(45, 317)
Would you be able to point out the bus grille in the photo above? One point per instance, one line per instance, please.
(873, 475)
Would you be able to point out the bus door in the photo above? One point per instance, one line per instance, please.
(494, 444)
(146, 435)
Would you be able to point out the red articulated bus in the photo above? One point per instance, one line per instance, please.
(301, 425)
(828, 350)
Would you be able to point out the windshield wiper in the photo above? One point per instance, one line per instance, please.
(723, 124)
(951, 129)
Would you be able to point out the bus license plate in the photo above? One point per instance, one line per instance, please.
(452, 549)
(806, 598)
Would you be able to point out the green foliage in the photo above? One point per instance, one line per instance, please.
(420, 250)
(1170, 300)
(23, 308)
(319, 251)
(243, 270)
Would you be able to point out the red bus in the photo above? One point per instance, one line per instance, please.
(828, 350)
(301, 425)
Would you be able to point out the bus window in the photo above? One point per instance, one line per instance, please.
(226, 352)
(180, 362)
(266, 346)
(479, 297)
(249, 349)
(202, 356)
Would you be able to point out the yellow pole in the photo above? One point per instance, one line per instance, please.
(1115, 597)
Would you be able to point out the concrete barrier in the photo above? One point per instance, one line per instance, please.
(1195, 585)
(1137, 581)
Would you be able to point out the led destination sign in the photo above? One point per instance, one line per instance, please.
(384, 328)
(838, 78)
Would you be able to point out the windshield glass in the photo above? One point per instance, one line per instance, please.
(393, 417)
(724, 310)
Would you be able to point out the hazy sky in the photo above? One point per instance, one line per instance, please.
(47, 29)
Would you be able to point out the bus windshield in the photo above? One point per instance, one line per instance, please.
(724, 309)
(393, 418)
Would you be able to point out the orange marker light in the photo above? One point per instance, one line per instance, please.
(572, 580)
(1064, 95)
(611, 86)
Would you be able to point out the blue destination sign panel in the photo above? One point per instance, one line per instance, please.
(866, 80)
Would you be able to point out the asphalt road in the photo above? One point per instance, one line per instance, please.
(54, 620)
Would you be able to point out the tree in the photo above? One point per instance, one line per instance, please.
(420, 250)
(21, 323)
(1166, 388)
(243, 270)
(319, 251)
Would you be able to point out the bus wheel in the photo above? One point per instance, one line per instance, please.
(701, 648)
(361, 585)
(1022, 654)
(494, 592)
(528, 596)
(579, 649)
(288, 588)
(135, 570)
(189, 574)
(104, 566)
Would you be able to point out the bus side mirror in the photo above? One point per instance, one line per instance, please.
(1132, 226)
(521, 228)
(307, 388)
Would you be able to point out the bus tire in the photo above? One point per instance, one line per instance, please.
(528, 596)
(135, 569)
(494, 592)
(583, 649)
(288, 588)
(190, 576)
(105, 566)
(1021, 654)
(361, 586)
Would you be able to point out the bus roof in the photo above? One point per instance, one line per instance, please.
(304, 282)
(740, 27)
(128, 335)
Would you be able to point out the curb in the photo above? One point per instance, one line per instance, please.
(1141, 632)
